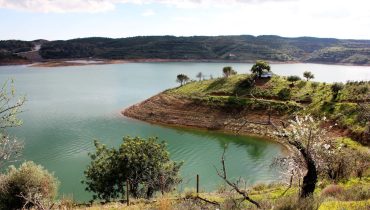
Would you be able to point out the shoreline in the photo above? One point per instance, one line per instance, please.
(144, 111)
(84, 62)
(286, 148)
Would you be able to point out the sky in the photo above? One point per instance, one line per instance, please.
(67, 19)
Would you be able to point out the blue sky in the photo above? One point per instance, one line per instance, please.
(60, 19)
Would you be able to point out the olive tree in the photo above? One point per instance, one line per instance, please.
(293, 79)
(259, 67)
(182, 79)
(308, 75)
(228, 71)
(143, 163)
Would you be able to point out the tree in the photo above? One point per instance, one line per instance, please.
(182, 78)
(309, 141)
(28, 186)
(293, 79)
(200, 76)
(10, 107)
(308, 75)
(228, 71)
(144, 163)
(260, 67)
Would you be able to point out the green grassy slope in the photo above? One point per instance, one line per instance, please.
(302, 97)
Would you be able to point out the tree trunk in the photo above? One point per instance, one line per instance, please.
(149, 192)
(310, 179)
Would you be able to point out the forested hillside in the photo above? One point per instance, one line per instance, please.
(238, 48)
(233, 48)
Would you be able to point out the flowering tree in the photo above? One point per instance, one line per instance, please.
(10, 107)
(309, 141)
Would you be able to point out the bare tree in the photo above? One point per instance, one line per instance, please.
(234, 185)
(200, 76)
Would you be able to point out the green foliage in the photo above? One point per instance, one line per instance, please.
(247, 83)
(284, 94)
(228, 71)
(308, 75)
(144, 163)
(335, 88)
(27, 185)
(314, 85)
(260, 67)
(182, 78)
(293, 78)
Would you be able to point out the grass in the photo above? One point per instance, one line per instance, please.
(305, 97)
(352, 194)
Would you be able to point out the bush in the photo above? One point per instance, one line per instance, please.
(29, 185)
(284, 94)
(314, 85)
(293, 78)
(293, 203)
(301, 84)
(332, 190)
(247, 83)
(335, 88)
(357, 193)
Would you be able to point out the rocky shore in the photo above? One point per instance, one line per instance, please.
(173, 110)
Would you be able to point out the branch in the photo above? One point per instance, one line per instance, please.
(235, 187)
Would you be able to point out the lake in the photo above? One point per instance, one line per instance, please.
(69, 107)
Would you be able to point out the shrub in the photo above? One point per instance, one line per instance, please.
(293, 203)
(332, 191)
(314, 85)
(301, 84)
(335, 88)
(29, 185)
(247, 83)
(293, 78)
(357, 193)
(284, 94)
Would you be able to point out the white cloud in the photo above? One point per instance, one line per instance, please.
(58, 6)
(148, 13)
(93, 6)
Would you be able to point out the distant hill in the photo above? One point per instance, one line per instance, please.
(232, 48)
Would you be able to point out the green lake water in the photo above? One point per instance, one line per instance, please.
(68, 107)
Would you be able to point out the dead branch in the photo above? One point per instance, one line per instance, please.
(235, 187)
(207, 201)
